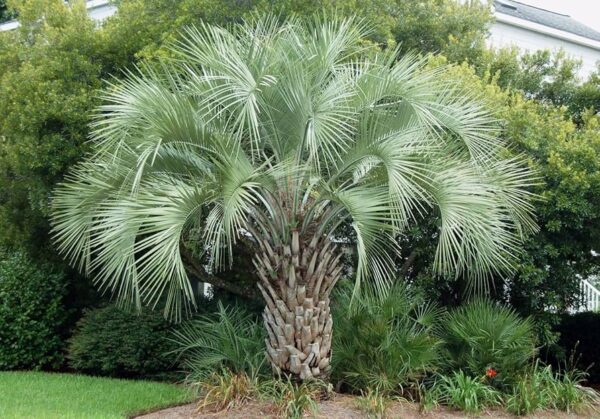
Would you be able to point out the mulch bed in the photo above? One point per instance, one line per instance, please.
(342, 407)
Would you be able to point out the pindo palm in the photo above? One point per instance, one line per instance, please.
(278, 134)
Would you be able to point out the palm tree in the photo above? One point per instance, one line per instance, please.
(276, 135)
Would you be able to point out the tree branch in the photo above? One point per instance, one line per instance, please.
(408, 263)
(195, 270)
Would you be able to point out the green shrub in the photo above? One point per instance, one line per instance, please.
(32, 313)
(383, 339)
(229, 339)
(115, 342)
(483, 335)
(466, 393)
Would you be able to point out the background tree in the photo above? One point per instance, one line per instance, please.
(457, 29)
(50, 69)
(545, 76)
(276, 135)
(47, 85)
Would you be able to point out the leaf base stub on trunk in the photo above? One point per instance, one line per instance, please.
(299, 341)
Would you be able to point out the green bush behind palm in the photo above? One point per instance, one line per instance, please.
(112, 341)
(32, 313)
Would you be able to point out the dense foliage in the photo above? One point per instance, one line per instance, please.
(115, 342)
(548, 77)
(384, 340)
(455, 28)
(47, 84)
(482, 335)
(562, 152)
(580, 341)
(32, 313)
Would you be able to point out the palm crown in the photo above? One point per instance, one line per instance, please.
(278, 134)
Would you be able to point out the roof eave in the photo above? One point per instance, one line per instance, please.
(555, 33)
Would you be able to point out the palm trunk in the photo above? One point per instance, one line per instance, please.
(296, 282)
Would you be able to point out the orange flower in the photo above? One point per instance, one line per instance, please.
(491, 373)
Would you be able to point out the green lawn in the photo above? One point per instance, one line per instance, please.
(45, 395)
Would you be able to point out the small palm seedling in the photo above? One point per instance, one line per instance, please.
(484, 338)
(386, 339)
(229, 339)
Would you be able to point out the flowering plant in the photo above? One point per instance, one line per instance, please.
(491, 373)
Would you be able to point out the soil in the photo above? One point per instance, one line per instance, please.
(343, 407)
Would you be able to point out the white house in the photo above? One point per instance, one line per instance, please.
(532, 28)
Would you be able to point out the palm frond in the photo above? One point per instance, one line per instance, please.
(270, 128)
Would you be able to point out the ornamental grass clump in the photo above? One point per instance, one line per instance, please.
(293, 400)
(225, 390)
(275, 136)
(542, 388)
(466, 393)
(373, 403)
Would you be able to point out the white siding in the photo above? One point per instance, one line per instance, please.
(100, 13)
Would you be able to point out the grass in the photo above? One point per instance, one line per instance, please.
(373, 404)
(466, 393)
(51, 396)
(226, 391)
